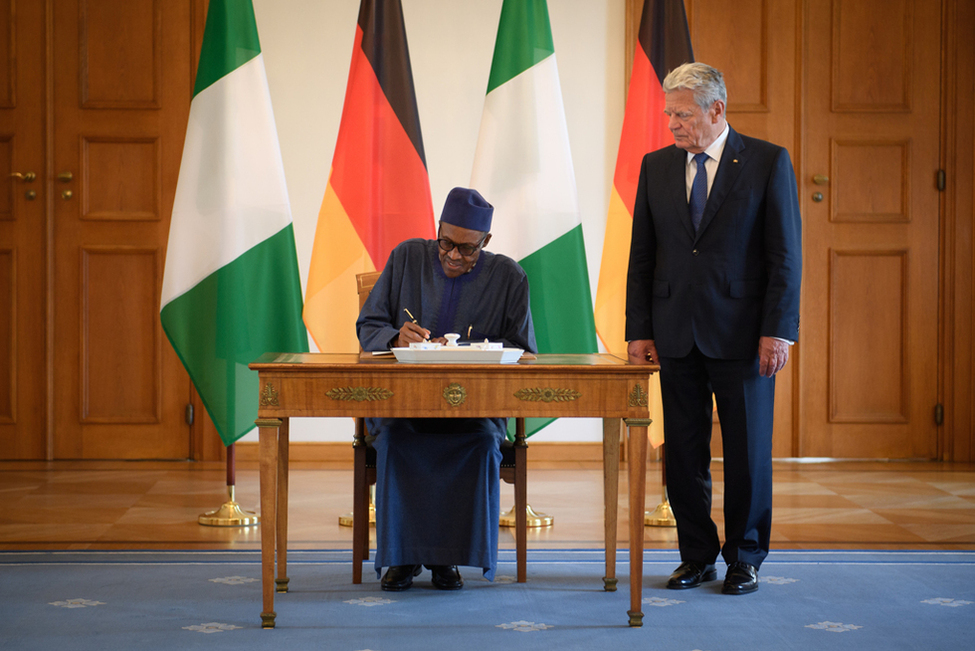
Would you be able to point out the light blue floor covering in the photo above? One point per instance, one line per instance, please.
(61, 601)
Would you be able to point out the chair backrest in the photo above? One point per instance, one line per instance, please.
(364, 284)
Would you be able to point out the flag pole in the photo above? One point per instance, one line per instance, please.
(230, 514)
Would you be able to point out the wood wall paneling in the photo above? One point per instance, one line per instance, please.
(8, 54)
(870, 181)
(121, 54)
(121, 367)
(873, 55)
(129, 175)
(7, 186)
(868, 372)
(8, 315)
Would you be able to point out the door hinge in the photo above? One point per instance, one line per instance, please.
(939, 414)
(189, 413)
(942, 180)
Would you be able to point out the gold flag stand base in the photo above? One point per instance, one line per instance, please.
(346, 520)
(229, 515)
(662, 516)
(534, 519)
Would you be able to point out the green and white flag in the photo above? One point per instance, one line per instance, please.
(231, 289)
(523, 166)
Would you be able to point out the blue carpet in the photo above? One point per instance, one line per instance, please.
(105, 601)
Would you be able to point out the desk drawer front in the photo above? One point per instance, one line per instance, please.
(463, 394)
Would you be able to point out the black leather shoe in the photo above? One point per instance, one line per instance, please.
(446, 577)
(399, 577)
(691, 574)
(741, 578)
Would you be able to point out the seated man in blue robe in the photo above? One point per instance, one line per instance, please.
(438, 479)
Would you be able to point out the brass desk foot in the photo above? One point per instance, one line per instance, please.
(267, 619)
(636, 618)
(281, 585)
(609, 585)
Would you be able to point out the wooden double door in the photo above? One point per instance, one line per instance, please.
(94, 98)
(853, 89)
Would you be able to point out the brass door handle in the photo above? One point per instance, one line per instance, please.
(820, 179)
(65, 177)
(26, 177)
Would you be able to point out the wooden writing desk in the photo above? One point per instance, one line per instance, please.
(309, 384)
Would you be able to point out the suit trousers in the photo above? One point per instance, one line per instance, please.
(745, 402)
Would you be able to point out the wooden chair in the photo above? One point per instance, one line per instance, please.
(514, 462)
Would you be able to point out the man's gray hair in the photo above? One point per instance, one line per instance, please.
(705, 82)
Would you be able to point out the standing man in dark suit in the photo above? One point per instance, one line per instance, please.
(713, 297)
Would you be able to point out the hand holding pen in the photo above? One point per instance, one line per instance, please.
(410, 332)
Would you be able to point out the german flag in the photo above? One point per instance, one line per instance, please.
(664, 44)
(378, 191)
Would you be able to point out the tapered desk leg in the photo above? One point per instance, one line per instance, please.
(611, 495)
(269, 482)
(281, 582)
(521, 500)
(637, 463)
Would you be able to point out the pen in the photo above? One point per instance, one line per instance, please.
(413, 318)
(469, 330)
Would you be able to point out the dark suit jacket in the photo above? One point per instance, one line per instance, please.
(735, 280)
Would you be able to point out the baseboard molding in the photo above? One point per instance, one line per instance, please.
(341, 453)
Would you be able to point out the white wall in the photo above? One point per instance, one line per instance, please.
(307, 47)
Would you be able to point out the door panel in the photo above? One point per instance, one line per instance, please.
(119, 120)
(870, 285)
(23, 278)
(754, 44)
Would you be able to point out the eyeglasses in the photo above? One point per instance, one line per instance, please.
(465, 250)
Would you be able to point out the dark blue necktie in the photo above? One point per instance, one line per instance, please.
(699, 191)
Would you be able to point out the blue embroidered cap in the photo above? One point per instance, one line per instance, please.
(468, 209)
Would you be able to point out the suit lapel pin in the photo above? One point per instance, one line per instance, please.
(734, 160)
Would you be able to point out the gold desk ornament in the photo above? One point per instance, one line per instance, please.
(639, 397)
(547, 394)
(455, 394)
(359, 394)
(269, 396)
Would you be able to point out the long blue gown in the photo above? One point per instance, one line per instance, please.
(438, 479)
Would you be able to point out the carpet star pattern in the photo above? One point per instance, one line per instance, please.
(942, 601)
(661, 602)
(523, 626)
(776, 580)
(370, 601)
(834, 627)
(211, 627)
(235, 580)
(76, 603)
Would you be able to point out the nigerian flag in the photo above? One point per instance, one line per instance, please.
(524, 167)
(231, 290)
